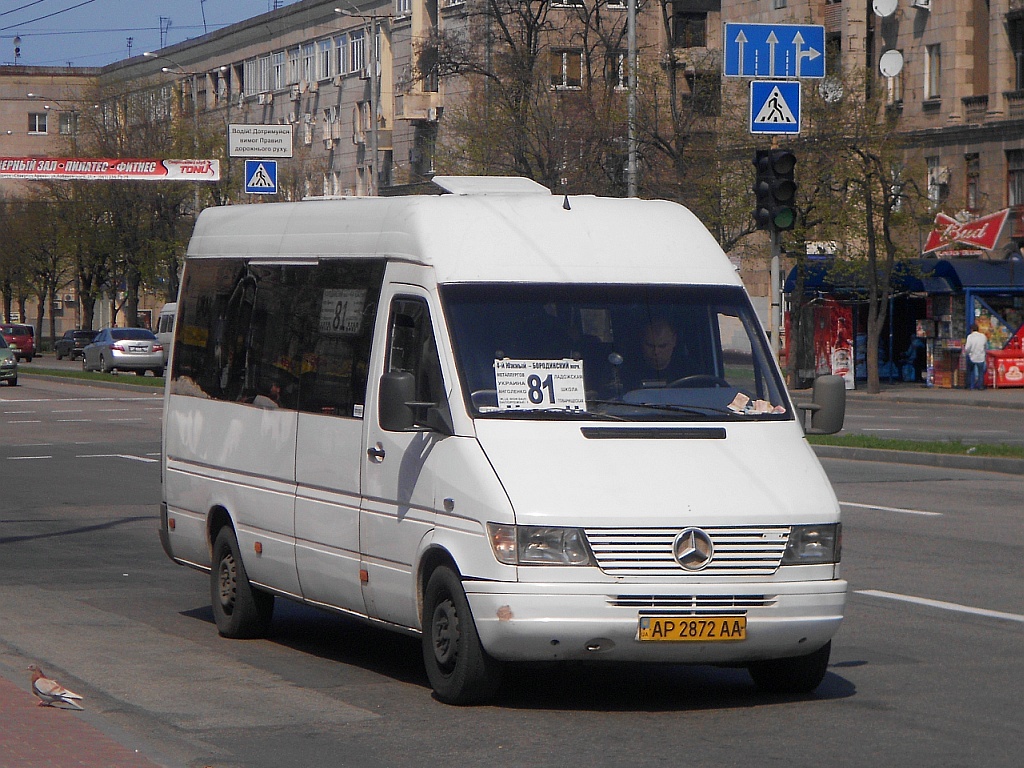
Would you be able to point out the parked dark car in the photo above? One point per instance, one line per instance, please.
(21, 339)
(124, 349)
(72, 343)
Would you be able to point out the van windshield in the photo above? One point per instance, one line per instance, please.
(623, 352)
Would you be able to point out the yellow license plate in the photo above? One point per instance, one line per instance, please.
(708, 629)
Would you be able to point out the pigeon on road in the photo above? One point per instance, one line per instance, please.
(51, 693)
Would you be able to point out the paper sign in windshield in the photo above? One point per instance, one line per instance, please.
(540, 385)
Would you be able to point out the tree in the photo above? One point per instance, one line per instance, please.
(859, 191)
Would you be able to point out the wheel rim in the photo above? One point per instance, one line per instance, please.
(227, 580)
(444, 631)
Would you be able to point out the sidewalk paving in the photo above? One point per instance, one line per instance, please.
(32, 736)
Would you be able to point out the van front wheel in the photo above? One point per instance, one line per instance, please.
(793, 676)
(240, 610)
(459, 669)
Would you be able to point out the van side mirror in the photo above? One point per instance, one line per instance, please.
(828, 406)
(397, 407)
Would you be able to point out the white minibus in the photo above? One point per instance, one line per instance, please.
(521, 426)
(165, 327)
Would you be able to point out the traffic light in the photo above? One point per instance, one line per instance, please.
(775, 189)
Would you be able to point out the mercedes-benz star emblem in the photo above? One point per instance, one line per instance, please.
(693, 549)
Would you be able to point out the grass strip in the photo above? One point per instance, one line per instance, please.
(149, 382)
(951, 447)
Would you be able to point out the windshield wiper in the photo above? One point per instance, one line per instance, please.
(697, 410)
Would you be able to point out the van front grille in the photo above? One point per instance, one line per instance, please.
(738, 551)
(692, 605)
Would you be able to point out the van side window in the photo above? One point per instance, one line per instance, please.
(295, 337)
(411, 347)
(340, 306)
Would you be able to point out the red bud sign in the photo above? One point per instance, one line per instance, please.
(981, 233)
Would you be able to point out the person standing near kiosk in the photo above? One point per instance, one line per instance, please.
(975, 348)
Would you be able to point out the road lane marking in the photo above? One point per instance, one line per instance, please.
(74, 421)
(27, 458)
(138, 418)
(901, 510)
(116, 456)
(942, 604)
(75, 410)
(25, 421)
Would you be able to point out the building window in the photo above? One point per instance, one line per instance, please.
(932, 71)
(689, 28)
(293, 65)
(567, 68)
(37, 122)
(938, 180)
(309, 62)
(973, 185)
(67, 123)
(324, 60)
(277, 71)
(403, 7)
(617, 70)
(357, 52)
(894, 88)
(1015, 176)
(341, 47)
(777, 4)
(1015, 33)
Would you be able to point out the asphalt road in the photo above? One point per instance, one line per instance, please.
(925, 669)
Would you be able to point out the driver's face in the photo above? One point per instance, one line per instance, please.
(659, 344)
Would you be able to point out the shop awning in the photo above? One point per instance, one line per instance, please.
(917, 276)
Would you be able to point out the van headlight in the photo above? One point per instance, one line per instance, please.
(813, 544)
(538, 545)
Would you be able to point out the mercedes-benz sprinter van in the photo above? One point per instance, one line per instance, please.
(521, 426)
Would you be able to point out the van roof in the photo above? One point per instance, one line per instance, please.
(484, 232)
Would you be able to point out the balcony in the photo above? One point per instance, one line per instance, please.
(975, 108)
(1014, 102)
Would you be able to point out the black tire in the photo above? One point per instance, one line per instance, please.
(103, 365)
(240, 610)
(85, 366)
(158, 372)
(459, 669)
(12, 382)
(793, 676)
(58, 355)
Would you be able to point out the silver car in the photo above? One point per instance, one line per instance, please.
(124, 349)
(8, 364)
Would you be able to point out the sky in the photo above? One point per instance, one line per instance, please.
(93, 33)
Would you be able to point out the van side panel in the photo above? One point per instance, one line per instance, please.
(241, 458)
(328, 456)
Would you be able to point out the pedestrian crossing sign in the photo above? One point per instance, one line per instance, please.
(774, 106)
(261, 177)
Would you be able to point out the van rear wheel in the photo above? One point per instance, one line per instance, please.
(458, 667)
(240, 610)
(792, 676)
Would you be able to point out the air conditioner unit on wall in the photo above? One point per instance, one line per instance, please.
(69, 298)
(924, 5)
(338, 80)
(295, 93)
(314, 86)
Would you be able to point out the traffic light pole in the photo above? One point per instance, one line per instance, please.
(776, 293)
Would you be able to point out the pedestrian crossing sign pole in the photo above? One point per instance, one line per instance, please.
(775, 106)
(261, 177)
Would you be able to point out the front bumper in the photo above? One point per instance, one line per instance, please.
(8, 373)
(537, 622)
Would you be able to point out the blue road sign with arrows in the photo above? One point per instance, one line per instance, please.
(774, 50)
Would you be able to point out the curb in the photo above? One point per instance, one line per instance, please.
(949, 461)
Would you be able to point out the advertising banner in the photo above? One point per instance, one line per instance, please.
(107, 169)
